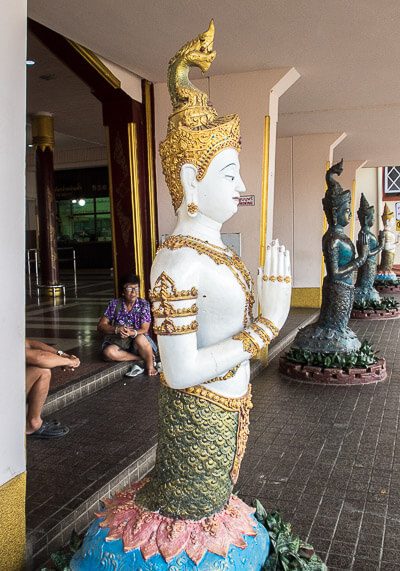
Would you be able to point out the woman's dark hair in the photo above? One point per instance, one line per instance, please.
(130, 278)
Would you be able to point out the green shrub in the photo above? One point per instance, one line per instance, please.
(288, 552)
(386, 304)
(360, 359)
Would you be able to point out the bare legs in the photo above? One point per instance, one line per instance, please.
(37, 388)
(146, 352)
(114, 353)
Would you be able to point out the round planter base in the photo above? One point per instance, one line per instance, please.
(375, 313)
(388, 288)
(316, 375)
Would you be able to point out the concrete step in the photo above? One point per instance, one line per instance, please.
(87, 385)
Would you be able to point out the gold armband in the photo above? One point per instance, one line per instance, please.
(165, 290)
(261, 333)
(168, 327)
(249, 344)
(166, 309)
(268, 323)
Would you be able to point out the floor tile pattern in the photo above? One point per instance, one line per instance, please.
(329, 459)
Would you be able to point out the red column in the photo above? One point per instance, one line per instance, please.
(43, 139)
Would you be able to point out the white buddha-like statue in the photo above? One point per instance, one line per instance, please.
(385, 270)
(184, 516)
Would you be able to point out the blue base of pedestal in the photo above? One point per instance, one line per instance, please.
(97, 553)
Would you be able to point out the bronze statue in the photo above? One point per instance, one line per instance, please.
(331, 334)
(365, 291)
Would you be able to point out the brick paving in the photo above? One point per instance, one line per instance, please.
(108, 430)
(328, 458)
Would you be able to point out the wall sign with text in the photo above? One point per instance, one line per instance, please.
(249, 200)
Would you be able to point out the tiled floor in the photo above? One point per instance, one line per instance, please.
(329, 459)
(72, 325)
(107, 431)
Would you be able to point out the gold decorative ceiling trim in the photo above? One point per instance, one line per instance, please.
(97, 64)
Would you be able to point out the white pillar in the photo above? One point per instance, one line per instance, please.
(12, 283)
(300, 187)
(348, 180)
(12, 238)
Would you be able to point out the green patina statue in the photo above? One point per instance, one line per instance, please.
(331, 334)
(365, 293)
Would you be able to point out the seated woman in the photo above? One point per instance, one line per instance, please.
(125, 324)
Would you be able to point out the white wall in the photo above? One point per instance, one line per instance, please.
(252, 96)
(367, 183)
(299, 189)
(130, 82)
(12, 238)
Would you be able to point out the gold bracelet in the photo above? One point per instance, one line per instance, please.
(280, 279)
(249, 344)
(261, 333)
(268, 323)
(231, 373)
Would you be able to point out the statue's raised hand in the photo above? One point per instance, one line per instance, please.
(274, 284)
(364, 246)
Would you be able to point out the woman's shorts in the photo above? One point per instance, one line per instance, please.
(132, 348)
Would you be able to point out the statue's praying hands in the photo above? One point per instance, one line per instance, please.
(274, 284)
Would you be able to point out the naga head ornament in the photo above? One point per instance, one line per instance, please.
(335, 196)
(387, 214)
(365, 211)
(195, 132)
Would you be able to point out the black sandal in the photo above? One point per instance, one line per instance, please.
(50, 429)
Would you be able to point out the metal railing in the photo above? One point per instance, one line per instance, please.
(32, 263)
(32, 258)
(71, 259)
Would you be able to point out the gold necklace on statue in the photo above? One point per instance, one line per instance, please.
(219, 255)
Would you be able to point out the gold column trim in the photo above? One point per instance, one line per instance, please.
(264, 191)
(306, 297)
(112, 212)
(43, 131)
(96, 63)
(135, 198)
(263, 353)
(353, 208)
(150, 168)
(13, 533)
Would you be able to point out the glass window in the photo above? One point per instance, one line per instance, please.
(103, 204)
(391, 181)
(83, 206)
(80, 220)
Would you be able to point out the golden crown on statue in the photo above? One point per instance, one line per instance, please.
(195, 132)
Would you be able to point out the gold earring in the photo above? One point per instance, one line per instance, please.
(192, 209)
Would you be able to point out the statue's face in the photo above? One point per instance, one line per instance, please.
(369, 220)
(344, 214)
(220, 189)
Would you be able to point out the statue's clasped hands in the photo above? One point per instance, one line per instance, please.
(274, 284)
(363, 247)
